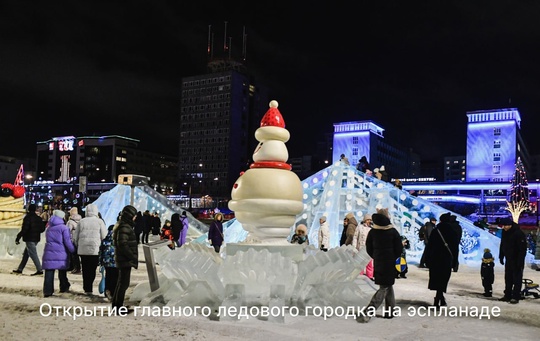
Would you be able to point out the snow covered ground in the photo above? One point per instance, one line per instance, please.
(21, 297)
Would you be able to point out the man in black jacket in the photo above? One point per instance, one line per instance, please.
(514, 249)
(31, 230)
(126, 252)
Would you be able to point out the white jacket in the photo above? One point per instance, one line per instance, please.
(324, 235)
(72, 224)
(90, 232)
(360, 236)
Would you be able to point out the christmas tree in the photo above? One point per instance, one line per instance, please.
(519, 192)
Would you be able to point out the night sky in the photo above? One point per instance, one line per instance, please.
(75, 68)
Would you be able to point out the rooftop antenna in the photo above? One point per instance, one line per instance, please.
(230, 47)
(244, 40)
(209, 50)
(225, 38)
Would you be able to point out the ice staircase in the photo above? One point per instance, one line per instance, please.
(339, 189)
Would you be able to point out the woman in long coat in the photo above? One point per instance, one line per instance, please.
(215, 232)
(384, 245)
(57, 253)
(441, 255)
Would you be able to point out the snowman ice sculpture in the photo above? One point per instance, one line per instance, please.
(268, 196)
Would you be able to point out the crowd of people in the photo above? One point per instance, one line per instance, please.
(82, 244)
(441, 237)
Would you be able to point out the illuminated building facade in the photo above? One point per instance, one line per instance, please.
(101, 159)
(365, 138)
(494, 144)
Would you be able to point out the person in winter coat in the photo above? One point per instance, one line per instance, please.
(139, 226)
(166, 234)
(147, 227)
(126, 253)
(32, 227)
(73, 221)
(513, 248)
(359, 241)
(215, 232)
(403, 266)
(56, 254)
(185, 227)
(487, 272)
(106, 260)
(384, 245)
(324, 234)
(351, 228)
(423, 235)
(156, 224)
(176, 228)
(300, 235)
(441, 256)
(456, 226)
(89, 233)
(363, 164)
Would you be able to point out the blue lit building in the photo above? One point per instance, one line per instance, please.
(365, 138)
(494, 144)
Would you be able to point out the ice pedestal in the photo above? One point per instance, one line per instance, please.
(257, 275)
(10, 250)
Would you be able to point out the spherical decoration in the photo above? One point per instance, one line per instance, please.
(330, 193)
(315, 191)
(6, 192)
(273, 104)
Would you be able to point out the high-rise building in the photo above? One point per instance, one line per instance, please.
(494, 144)
(219, 113)
(454, 168)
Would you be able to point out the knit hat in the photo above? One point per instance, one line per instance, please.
(323, 218)
(382, 168)
(367, 216)
(380, 219)
(32, 208)
(59, 213)
(184, 214)
(376, 170)
(73, 211)
(349, 215)
(273, 116)
(487, 254)
(129, 212)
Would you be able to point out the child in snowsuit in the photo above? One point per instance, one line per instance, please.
(487, 272)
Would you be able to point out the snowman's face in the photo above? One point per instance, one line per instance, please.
(259, 146)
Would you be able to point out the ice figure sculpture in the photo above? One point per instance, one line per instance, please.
(268, 196)
(195, 275)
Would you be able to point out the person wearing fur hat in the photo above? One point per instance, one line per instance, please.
(300, 236)
(513, 249)
(384, 245)
(56, 254)
(126, 253)
(487, 272)
(215, 232)
(441, 255)
(324, 234)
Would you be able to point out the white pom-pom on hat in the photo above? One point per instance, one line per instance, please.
(273, 104)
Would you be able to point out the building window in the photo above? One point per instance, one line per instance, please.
(497, 144)
(496, 131)
(355, 140)
(496, 169)
(496, 156)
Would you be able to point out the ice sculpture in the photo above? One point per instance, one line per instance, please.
(195, 275)
(268, 196)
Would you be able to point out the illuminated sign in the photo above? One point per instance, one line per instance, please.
(65, 145)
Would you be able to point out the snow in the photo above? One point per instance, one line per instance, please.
(21, 297)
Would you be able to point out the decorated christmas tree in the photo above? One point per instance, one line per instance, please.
(519, 192)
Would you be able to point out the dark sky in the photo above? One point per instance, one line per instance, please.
(76, 68)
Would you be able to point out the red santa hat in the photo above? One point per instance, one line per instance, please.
(273, 116)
